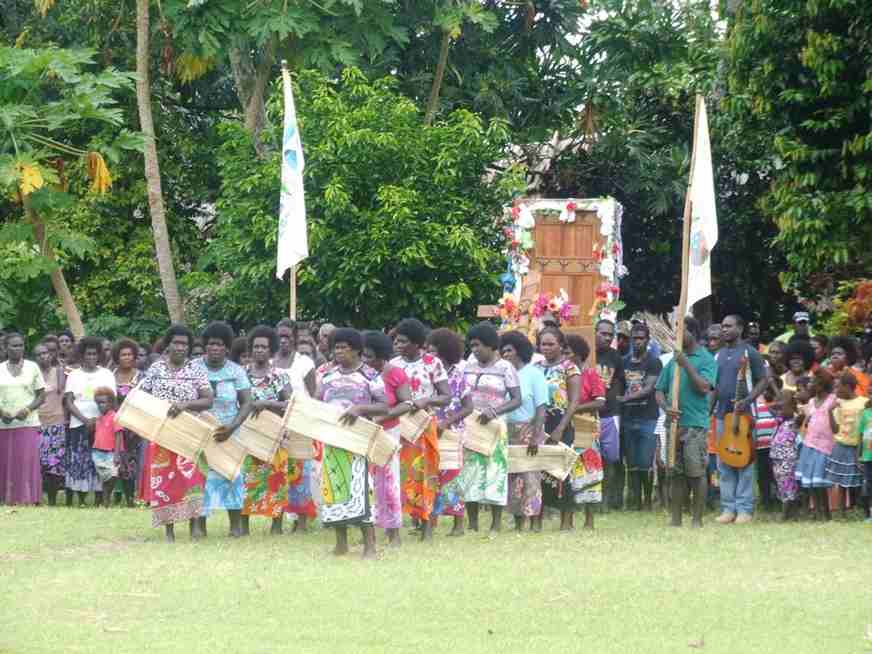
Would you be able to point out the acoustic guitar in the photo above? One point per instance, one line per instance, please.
(736, 445)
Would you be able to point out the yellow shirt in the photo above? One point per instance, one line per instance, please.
(847, 414)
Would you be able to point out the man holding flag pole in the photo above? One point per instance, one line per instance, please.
(293, 244)
(684, 384)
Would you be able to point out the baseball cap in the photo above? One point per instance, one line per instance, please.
(800, 316)
(623, 328)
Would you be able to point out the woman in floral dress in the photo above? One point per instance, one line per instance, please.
(495, 390)
(52, 423)
(266, 482)
(351, 385)
(419, 462)
(127, 376)
(563, 378)
(448, 346)
(397, 397)
(231, 407)
(176, 484)
(584, 485)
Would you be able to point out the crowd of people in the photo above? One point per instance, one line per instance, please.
(806, 396)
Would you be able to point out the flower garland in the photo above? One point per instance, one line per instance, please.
(515, 315)
(518, 225)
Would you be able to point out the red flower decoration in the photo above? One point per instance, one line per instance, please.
(570, 206)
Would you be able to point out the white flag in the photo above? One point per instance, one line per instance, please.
(293, 242)
(704, 223)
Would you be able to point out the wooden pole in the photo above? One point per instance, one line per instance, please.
(293, 292)
(682, 302)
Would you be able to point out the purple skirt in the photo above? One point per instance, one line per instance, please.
(20, 472)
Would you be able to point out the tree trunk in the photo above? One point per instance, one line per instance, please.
(433, 102)
(251, 79)
(152, 168)
(57, 274)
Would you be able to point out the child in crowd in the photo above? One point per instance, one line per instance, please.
(784, 453)
(764, 427)
(864, 436)
(817, 445)
(108, 442)
(842, 467)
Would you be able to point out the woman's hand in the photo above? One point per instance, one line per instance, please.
(221, 434)
(22, 415)
(487, 415)
(420, 404)
(91, 425)
(351, 415)
(532, 449)
(176, 408)
(557, 434)
(6, 417)
(258, 406)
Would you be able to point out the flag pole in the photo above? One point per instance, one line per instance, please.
(292, 307)
(682, 302)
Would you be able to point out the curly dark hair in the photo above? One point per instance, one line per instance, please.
(124, 344)
(848, 345)
(485, 333)
(267, 332)
(174, 330)
(89, 343)
(579, 346)
(351, 337)
(448, 345)
(800, 349)
(221, 331)
(414, 330)
(520, 343)
(238, 348)
(380, 345)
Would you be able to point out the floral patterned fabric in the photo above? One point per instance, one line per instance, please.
(525, 489)
(486, 479)
(784, 454)
(449, 500)
(175, 488)
(129, 466)
(345, 478)
(267, 482)
(51, 450)
(419, 462)
(385, 480)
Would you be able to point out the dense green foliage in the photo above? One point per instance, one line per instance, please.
(800, 81)
(400, 216)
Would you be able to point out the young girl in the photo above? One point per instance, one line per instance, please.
(842, 468)
(817, 445)
(108, 444)
(784, 453)
(864, 435)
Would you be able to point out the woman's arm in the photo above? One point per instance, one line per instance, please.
(205, 398)
(538, 426)
(511, 404)
(466, 409)
(70, 405)
(440, 399)
(38, 399)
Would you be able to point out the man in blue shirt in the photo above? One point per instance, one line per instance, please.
(698, 374)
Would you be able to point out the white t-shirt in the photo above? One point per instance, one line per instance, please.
(16, 393)
(82, 385)
(300, 368)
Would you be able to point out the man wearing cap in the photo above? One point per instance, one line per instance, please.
(623, 337)
(801, 328)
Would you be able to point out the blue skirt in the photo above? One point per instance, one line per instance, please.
(811, 469)
(842, 467)
(222, 493)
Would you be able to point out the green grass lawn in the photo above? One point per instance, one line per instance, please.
(94, 580)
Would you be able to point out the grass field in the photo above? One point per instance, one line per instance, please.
(88, 580)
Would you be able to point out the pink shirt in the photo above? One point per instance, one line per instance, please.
(394, 378)
(104, 433)
(819, 433)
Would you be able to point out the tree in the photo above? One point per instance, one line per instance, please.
(799, 73)
(152, 167)
(401, 219)
(48, 99)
